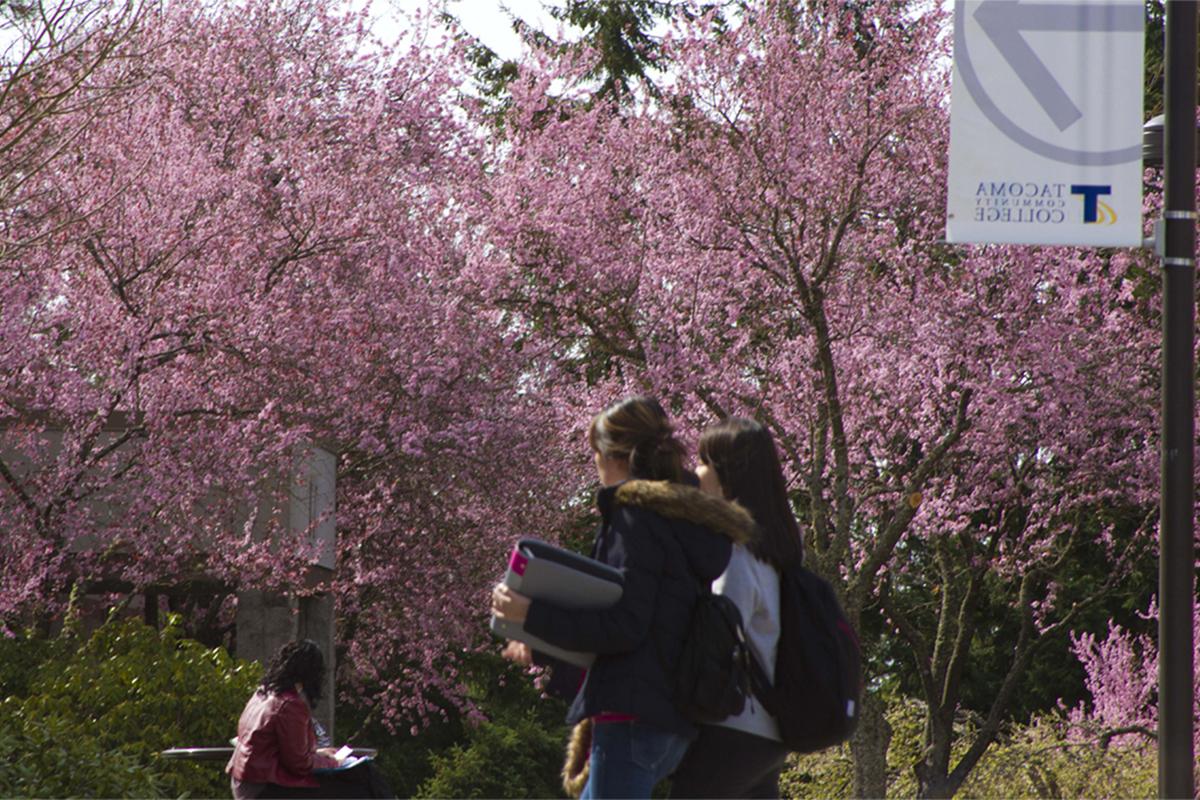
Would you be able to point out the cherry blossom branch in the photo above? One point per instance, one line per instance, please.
(912, 635)
(905, 509)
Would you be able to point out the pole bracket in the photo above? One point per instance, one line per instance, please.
(1158, 239)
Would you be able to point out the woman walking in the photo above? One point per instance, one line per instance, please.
(742, 756)
(665, 537)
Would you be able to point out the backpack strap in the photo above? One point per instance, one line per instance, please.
(703, 589)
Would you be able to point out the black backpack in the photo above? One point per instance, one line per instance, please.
(712, 677)
(818, 666)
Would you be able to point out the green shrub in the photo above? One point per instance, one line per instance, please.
(22, 657)
(92, 725)
(1037, 760)
(818, 775)
(1041, 760)
(404, 759)
(519, 759)
(449, 758)
(55, 759)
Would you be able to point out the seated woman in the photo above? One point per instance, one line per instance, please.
(276, 753)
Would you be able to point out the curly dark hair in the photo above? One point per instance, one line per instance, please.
(296, 662)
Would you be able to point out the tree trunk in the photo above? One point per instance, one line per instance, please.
(933, 772)
(936, 787)
(869, 745)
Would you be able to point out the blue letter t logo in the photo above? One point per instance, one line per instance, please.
(1091, 196)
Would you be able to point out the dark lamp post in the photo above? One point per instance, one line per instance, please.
(1171, 141)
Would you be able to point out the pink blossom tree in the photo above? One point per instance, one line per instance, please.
(252, 248)
(50, 53)
(764, 239)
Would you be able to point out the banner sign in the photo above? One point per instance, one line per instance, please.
(1046, 122)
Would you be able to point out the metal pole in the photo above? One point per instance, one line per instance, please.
(1176, 543)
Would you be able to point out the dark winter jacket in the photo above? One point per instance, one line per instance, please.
(668, 540)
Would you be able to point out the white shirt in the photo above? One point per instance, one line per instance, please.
(753, 586)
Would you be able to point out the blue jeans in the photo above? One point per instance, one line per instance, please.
(629, 758)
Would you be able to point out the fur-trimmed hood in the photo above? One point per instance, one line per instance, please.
(701, 515)
(676, 501)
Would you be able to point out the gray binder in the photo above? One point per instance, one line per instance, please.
(545, 572)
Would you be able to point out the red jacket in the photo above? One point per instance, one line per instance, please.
(276, 743)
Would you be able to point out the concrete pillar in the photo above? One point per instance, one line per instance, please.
(266, 622)
(316, 623)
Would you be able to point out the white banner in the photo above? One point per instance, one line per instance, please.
(1046, 122)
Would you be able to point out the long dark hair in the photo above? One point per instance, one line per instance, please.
(296, 662)
(742, 453)
(638, 429)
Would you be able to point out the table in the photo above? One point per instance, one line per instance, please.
(223, 753)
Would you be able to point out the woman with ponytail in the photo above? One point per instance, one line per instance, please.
(668, 539)
(742, 756)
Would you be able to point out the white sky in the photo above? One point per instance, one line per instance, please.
(484, 19)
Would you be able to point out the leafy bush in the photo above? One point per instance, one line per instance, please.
(403, 759)
(22, 657)
(511, 759)
(1048, 758)
(818, 775)
(93, 723)
(89, 719)
(510, 745)
(53, 758)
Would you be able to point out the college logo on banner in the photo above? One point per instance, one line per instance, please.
(1042, 203)
(1045, 123)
